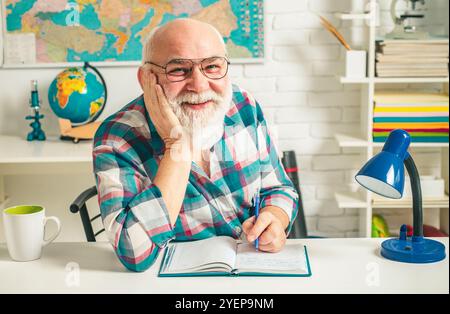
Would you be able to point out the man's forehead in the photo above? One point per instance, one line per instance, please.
(189, 45)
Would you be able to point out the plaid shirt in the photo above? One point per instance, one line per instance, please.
(127, 152)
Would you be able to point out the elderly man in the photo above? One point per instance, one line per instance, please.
(185, 160)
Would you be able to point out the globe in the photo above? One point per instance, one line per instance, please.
(78, 94)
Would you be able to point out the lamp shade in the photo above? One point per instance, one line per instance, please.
(384, 173)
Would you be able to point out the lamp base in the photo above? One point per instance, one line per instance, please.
(413, 250)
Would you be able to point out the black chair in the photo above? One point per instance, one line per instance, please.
(289, 162)
(79, 206)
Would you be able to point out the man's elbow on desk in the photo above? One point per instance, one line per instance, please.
(139, 263)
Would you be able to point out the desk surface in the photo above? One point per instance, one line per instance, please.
(14, 149)
(338, 266)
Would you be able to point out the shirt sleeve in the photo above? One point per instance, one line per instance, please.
(134, 214)
(276, 187)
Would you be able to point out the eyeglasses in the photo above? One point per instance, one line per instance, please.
(178, 70)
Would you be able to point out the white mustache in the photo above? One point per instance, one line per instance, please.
(195, 98)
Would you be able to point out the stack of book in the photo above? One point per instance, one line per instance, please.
(412, 58)
(424, 115)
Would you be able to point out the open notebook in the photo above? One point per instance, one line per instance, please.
(224, 256)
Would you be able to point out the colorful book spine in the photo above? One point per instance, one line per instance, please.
(425, 120)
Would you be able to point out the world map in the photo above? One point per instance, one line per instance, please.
(116, 30)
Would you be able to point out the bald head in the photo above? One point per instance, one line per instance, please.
(181, 36)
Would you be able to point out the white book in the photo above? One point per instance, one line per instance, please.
(225, 256)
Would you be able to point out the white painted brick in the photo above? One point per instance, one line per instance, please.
(308, 84)
(269, 115)
(271, 69)
(338, 224)
(351, 211)
(354, 36)
(306, 53)
(351, 150)
(282, 6)
(309, 146)
(349, 175)
(256, 84)
(351, 114)
(352, 234)
(351, 88)
(307, 114)
(307, 20)
(287, 38)
(311, 224)
(327, 192)
(328, 130)
(303, 163)
(334, 99)
(279, 99)
(328, 68)
(308, 192)
(337, 162)
(321, 37)
(322, 177)
(293, 130)
(236, 70)
(321, 209)
(329, 6)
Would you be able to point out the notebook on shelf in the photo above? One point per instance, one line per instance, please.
(225, 256)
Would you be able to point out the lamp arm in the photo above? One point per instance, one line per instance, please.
(416, 196)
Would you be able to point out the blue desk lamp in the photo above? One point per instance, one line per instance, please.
(384, 174)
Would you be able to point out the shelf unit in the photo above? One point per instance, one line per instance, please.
(363, 199)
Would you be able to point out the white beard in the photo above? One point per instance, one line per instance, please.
(205, 126)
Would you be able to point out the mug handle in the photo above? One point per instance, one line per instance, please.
(58, 226)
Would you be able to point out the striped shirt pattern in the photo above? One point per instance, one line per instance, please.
(127, 152)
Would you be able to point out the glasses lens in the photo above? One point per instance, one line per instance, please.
(215, 68)
(178, 70)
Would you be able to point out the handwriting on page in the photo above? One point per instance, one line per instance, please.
(291, 257)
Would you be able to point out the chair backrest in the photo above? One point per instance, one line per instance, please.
(79, 206)
(289, 162)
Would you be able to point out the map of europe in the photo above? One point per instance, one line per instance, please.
(115, 30)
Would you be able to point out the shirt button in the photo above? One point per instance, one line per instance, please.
(238, 229)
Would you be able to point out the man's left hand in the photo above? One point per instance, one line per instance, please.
(269, 228)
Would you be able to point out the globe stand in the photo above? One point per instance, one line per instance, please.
(75, 134)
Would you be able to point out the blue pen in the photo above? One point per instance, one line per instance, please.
(256, 204)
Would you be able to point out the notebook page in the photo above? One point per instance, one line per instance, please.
(290, 259)
(192, 255)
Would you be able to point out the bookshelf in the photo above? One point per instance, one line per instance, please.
(363, 200)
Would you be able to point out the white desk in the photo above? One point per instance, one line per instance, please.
(338, 266)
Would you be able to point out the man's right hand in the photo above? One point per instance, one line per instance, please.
(166, 122)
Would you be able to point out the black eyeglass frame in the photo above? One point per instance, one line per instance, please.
(194, 62)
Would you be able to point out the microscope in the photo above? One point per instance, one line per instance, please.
(404, 26)
(37, 133)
